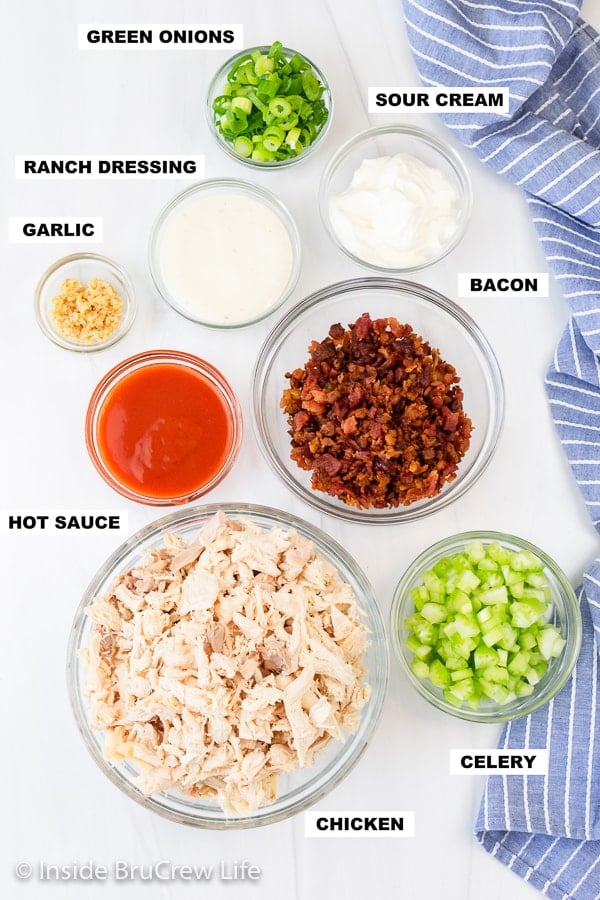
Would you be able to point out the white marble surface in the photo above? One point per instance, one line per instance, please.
(138, 101)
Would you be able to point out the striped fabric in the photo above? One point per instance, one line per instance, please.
(546, 829)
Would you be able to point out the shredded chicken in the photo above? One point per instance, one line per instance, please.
(217, 666)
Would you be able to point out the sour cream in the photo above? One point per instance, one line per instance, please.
(225, 258)
(397, 212)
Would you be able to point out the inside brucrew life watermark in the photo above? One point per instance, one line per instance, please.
(122, 870)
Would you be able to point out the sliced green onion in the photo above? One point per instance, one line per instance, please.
(266, 91)
(243, 146)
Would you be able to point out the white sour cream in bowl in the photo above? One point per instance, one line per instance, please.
(397, 211)
(395, 199)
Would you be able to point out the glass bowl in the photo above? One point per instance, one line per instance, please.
(298, 790)
(83, 267)
(564, 613)
(225, 253)
(439, 321)
(215, 89)
(163, 427)
(396, 209)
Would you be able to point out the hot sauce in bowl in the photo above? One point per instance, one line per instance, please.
(163, 427)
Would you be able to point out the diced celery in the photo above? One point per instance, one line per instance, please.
(497, 674)
(433, 612)
(460, 602)
(419, 668)
(438, 673)
(434, 585)
(498, 553)
(527, 640)
(520, 662)
(475, 551)
(494, 595)
(493, 636)
(419, 596)
(486, 565)
(536, 579)
(484, 656)
(467, 581)
(525, 560)
(454, 663)
(425, 631)
(478, 632)
(422, 651)
(524, 613)
(550, 642)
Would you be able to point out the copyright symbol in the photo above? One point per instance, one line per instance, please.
(23, 870)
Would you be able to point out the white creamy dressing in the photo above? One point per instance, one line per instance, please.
(225, 258)
(396, 212)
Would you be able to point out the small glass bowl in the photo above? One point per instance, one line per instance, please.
(230, 274)
(565, 614)
(216, 88)
(150, 487)
(388, 140)
(439, 321)
(297, 790)
(83, 267)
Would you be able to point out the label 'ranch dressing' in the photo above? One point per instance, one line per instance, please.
(225, 258)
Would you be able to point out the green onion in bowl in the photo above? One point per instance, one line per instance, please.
(269, 105)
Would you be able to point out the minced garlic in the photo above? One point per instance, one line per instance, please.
(88, 313)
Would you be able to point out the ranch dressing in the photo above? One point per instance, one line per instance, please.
(225, 258)
(397, 212)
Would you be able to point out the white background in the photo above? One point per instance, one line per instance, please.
(133, 100)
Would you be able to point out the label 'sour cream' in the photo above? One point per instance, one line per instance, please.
(499, 761)
(358, 823)
(114, 167)
(55, 229)
(19, 521)
(476, 284)
(159, 36)
(438, 99)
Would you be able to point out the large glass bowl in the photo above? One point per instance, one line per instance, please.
(564, 613)
(297, 791)
(439, 321)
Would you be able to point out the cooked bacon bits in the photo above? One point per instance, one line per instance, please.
(377, 415)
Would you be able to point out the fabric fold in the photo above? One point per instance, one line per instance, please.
(545, 828)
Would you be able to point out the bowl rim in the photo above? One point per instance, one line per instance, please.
(432, 140)
(221, 75)
(573, 622)
(262, 371)
(129, 303)
(185, 518)
(262, 194)
(141, 360)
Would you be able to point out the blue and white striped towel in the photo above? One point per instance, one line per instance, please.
(547, 829)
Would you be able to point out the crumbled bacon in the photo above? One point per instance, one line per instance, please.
(376, 415)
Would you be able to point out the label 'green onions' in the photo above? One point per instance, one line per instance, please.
(480, 628)
(271, 108)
